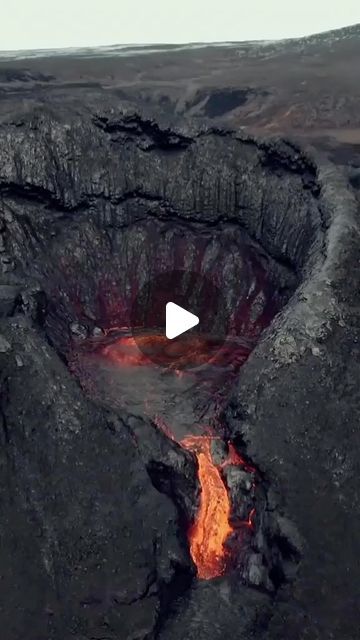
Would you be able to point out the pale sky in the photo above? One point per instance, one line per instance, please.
(37, 24)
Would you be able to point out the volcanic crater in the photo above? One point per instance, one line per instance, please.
(94, 208)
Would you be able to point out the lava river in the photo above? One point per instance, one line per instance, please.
(212, 528)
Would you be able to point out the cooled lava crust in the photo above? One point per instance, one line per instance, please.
(217, 515)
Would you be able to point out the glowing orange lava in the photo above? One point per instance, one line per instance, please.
(211, 529)
(125, 352)
(192, 350)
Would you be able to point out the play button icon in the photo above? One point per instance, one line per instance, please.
(161, 322)
(178, 320)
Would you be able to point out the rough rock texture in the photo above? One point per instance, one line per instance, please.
(90, 547)
(304, 86)
(298, 410)
(219, 609)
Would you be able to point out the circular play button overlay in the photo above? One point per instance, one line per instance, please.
(179, 319)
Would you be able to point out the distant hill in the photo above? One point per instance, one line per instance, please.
(306, 86)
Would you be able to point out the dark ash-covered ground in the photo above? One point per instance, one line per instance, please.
(94, 499)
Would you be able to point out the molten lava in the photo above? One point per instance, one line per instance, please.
(210, 531)
(208, 534)
(192, 350)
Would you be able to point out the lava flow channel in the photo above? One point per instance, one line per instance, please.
(211, 529)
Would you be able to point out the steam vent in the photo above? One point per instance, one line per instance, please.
(207, 490)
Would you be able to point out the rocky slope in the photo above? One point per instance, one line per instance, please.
(93, 541)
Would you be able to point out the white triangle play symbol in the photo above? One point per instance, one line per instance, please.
(178, 320)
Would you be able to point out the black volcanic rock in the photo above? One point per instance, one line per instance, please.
(172, 469)
(219, 610)
(88, 544)
(91, 545)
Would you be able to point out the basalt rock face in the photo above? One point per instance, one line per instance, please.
(89, 546)
(93, 202)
